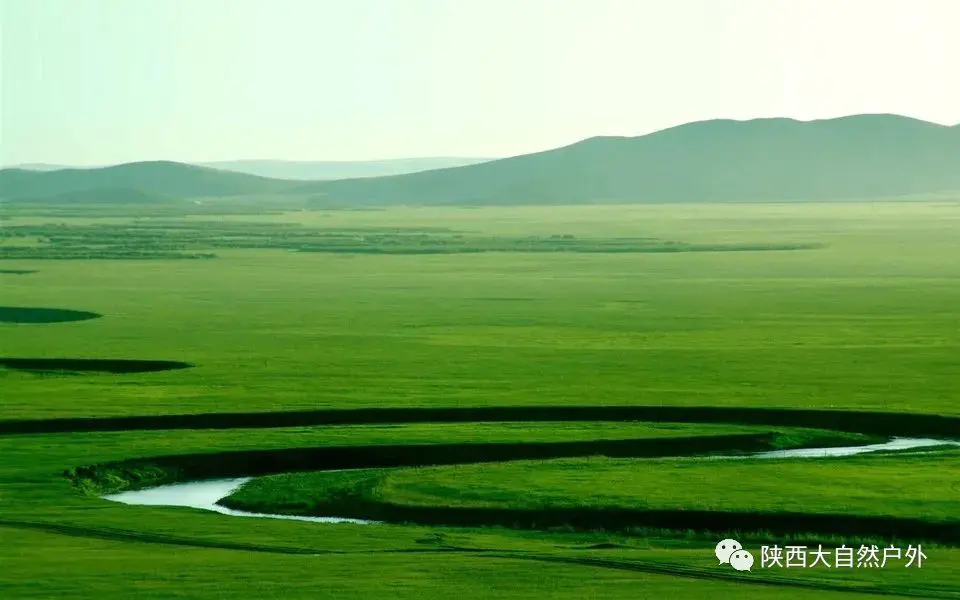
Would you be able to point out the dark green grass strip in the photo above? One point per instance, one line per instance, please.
(97, 365)
(616, 519)
(869, 422)
(244, 463)
(31, 314)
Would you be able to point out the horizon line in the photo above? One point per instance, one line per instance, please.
(209, 163)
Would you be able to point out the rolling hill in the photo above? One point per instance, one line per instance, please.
(161, 178)
(863, 156)
(721, 160)
(305, 170)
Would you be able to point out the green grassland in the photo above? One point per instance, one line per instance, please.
(869, 322)
(916, 485)
(856, 310)
(147, 572)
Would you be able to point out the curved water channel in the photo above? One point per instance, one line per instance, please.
(207, 493)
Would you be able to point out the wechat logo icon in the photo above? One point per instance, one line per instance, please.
(731, 552)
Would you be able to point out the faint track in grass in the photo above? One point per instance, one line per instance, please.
(667, 569)
(744, 579)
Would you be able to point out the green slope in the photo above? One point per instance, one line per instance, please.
(722, 160)
(304, 170)
(159, 177)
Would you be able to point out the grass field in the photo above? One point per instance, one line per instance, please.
(861, 316)
(918, 486)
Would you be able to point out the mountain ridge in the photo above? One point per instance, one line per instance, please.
(160, 177)
(775, 159)
(306, 170)
(715, 160)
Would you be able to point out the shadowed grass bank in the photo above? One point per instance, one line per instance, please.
(143, 472)
(88, 365)
(28, 314)
(16, 271)
(866, 422)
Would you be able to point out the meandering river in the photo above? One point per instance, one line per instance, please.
(205, 494)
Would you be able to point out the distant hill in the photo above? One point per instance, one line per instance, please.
(325, 170)
(721, 160)
(863, 156)
(160, 178)
(307, 170)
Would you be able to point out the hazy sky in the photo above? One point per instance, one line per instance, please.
(106, 81)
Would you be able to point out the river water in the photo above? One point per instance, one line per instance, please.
(894, 444)
(205, 495)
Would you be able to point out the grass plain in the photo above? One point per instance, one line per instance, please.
(867, 320)
(921, 485)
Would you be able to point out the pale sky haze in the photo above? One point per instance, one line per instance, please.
(109, 81)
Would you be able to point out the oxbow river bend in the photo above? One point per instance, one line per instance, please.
(205, 494)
